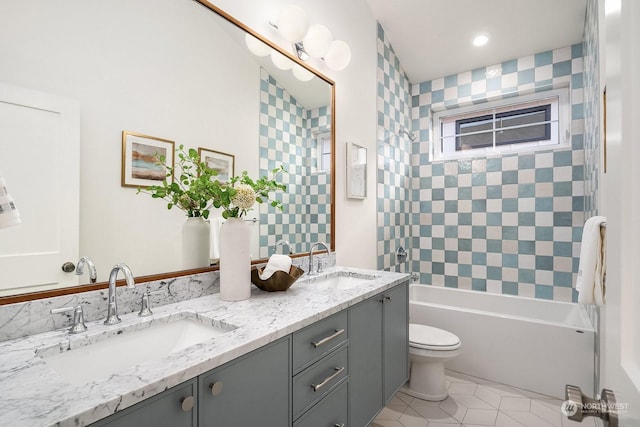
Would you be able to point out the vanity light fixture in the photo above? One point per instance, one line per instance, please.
(480, 40)
(308, 42)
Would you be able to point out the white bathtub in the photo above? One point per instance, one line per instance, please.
(534, 344)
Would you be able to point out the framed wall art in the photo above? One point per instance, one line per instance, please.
(140, 154)
(220, 162)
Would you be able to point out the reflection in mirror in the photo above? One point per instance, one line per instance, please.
(170, 69)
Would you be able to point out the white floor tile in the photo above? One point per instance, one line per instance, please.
(462, 388)
(503, 420)
(490, 396)
(435, 414)
(452, 408)
(477, 403)
(411, 418)
(515, 404)
(390, 414)
(528, 419)
(471, 402)
(485, 417)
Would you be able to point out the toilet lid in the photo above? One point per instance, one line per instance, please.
(428, 337)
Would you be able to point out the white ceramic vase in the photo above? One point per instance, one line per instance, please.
(235, 260)
(196, 243)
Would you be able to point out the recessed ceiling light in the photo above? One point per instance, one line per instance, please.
(480, 40)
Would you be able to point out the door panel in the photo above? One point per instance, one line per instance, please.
(621, 205)
(39, 156)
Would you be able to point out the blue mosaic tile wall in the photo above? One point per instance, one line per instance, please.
(508, 224)
(394, 158)
(592, 99)
(286, 138)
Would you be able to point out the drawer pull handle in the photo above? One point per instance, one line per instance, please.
(337, 372)
(339, 425)
(337, 332)
(187, 403)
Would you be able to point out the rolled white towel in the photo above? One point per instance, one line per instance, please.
(276, 262)
(591, 269)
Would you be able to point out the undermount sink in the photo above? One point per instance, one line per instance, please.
(124, 348)
(344, 280)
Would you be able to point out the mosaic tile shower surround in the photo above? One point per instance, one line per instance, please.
(286, 138)
(394, 158)
(592, 99)
(508, 224)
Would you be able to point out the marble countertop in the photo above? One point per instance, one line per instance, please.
(33, 395)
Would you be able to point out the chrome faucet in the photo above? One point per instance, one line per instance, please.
(112, 308)
(284, 243)
(313, 247)
(93, 276)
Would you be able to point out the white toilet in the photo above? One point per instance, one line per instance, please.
(429, 349)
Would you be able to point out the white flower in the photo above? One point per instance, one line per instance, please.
(245, 197)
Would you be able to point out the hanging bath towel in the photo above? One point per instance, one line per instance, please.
(591, 269)
(9, 214)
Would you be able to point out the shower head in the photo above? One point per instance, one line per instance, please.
(412, 136)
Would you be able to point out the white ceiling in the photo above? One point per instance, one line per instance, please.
(432, 38)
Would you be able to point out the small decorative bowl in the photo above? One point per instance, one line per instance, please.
(279, 281)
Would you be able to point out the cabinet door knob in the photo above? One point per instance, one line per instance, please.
(187, 403)
(216, 388)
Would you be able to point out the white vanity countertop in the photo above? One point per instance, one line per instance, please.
(33, 395)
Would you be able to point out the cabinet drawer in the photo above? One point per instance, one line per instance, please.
(315, 382)
(331, 411)
(314, 341)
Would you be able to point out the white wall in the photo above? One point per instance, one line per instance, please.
(171, 85)
(174, 87)
(353, 22)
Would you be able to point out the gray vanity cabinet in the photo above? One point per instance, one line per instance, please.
(252, 390)
(175, 407)
(395, 339)
(378, 336)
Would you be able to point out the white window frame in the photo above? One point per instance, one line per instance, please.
(320, 137)
(560, 136)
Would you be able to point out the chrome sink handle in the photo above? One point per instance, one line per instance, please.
(112, 308)
(78, 325)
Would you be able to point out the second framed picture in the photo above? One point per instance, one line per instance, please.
(220, 162)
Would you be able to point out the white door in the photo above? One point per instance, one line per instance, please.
(620, 193)
(39, 157)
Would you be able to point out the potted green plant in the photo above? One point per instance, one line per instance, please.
(192, 187)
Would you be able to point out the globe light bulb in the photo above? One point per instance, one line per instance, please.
(301, 73)
(255, 46)
(281, 61)
(318, 40)
(293, 23)
(339, 55)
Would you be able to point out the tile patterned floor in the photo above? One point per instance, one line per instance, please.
(474, 402)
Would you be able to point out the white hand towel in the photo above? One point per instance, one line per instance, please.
(591, 269)
(276, 262)
(9, 214)
(216, 223)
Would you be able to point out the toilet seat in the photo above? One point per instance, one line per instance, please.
(430, 338)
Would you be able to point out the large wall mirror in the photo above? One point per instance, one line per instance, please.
(179, 70)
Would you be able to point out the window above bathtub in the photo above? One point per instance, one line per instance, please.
(522, 123)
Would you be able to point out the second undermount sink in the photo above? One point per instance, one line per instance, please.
(124, 348)
(345, 279)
